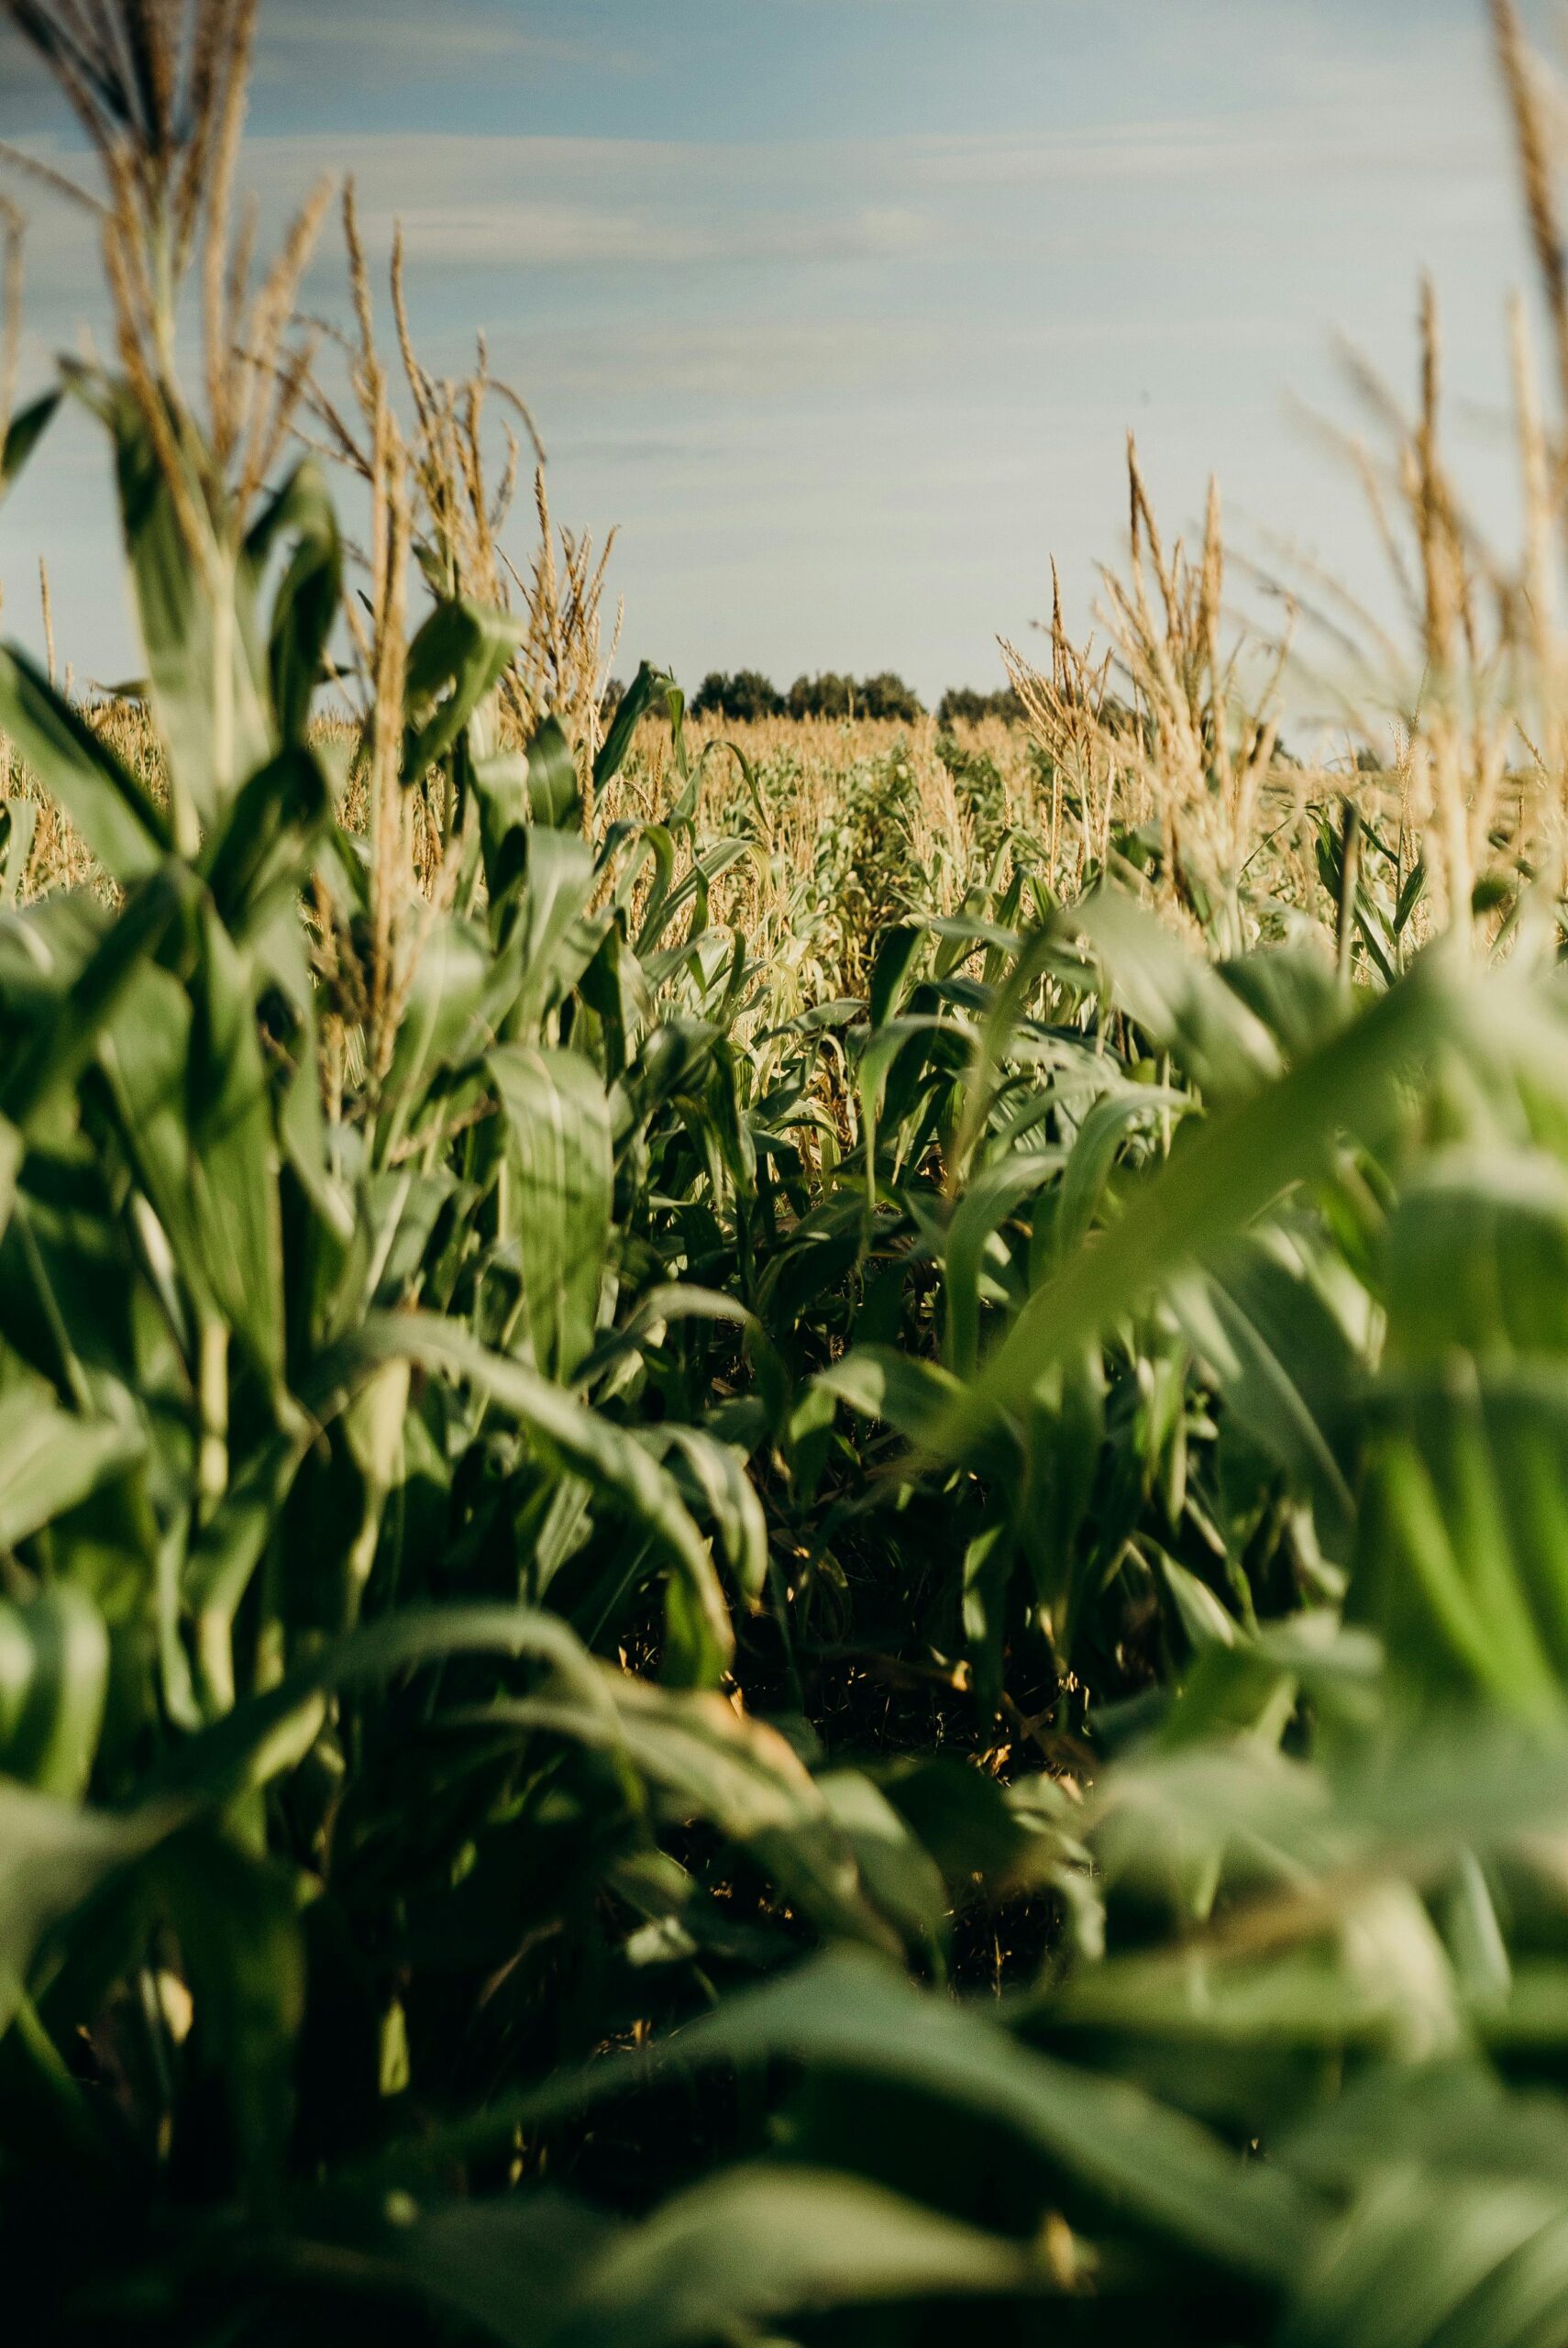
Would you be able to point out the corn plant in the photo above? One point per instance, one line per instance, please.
(692, 1651)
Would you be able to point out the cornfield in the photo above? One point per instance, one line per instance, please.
(783, 1509)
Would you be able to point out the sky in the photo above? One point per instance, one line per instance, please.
(841, 309)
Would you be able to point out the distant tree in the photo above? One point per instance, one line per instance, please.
(824, 697)
(964, 703)
(745, 695)
(887, 696)
(832, 695)
(610, 700)
(749, 694)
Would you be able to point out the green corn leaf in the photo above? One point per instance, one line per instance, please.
(681, 1300)
(1268, 1331)
(117, 969)
(672, 1061)
(229, 1546)
(12, 1151)
(455, 662)
(897, 957)
(995, 1194)
(1214, 1186)
(500, 782)
(263, 848)
(1378, 1986)
(23, 435)
(754, 2248)
(195, 608)
(44, 949)
(116, 819)
(653, 842)
(1478, 1256)
(242, 1952)
(52, 1458)
(1064, 1430)
(583, 1443)
(232, 1162)
(552, 938)
(144, 1051)
(506, 2270)
(267, 1734)
(557, 1179)
(54, 1857)
(647, 687)
(849, 2014)
(714, 1477)
(305, 607)
(876, 1064)
(1110, 1125)
(916, 1398)
(447, 1020)
(767, 2243)
(54, 1672)
(1401, 1805)
(899, 1873)
(1462, 1560)
(1182, 1005)
(989, 1562)
(194, 1103)
(1294, 991)
(555, 798)
(1478, 2262)
(700, 1758)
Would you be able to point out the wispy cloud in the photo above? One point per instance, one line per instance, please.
(1286, 141)
(542, 233)
(405, 41)
(503, 203)
(761, 366)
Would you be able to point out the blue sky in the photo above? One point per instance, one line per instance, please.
(842, 308)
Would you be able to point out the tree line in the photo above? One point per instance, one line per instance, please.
(748, 694)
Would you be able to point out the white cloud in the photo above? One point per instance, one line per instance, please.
(742, 375)
(1290, 142)
(560, 233)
